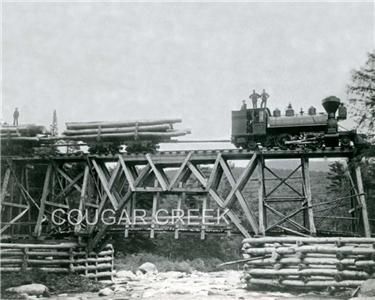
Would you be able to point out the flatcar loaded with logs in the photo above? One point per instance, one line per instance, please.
(257, 127)
(98, 137)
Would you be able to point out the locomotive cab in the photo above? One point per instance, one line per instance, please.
(248, 126)
(258, 121)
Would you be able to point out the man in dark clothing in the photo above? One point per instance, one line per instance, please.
(264, 96)
(16, 114)
(254, 98)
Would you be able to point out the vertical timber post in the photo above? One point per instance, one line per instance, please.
(27, 186)
(308, 195)
(82, 198)
(38, 226)
(262, 215)
(4, 187)
(362, 199)
(155, 206)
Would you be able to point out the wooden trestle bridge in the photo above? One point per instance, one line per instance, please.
(35, 187)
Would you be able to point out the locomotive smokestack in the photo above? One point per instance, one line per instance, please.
(331, 104)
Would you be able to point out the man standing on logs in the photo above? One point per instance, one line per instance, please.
(254, 98)
(16, 115)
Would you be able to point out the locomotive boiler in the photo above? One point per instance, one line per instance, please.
(256, 127)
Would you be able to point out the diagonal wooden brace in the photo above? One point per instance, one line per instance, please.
(180, 171)
(158, 175)
(244, 205)
(105, 184)
(244, 178)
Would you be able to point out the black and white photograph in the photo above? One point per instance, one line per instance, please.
(187, 150)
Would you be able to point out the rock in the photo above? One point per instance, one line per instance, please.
(128, 275)
(119, 289)
(105, 292)
(30, 289)
(149, 293)
(367, 288)
(201, 293)
(172, 275)
(148, 267)
(24, 296)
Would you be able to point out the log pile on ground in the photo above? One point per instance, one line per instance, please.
(60, 258)
(308, 261)
(154, 130)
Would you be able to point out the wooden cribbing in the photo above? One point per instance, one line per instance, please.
(308, 240)
(300, 283)
(308, 262)
(323, 272)
(64, 257)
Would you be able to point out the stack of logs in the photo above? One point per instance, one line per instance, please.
(62, 258)
(155, 130)
(21, 132)
(308, 261)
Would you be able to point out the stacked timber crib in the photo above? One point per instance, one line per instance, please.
(62, 258)
(308, 262)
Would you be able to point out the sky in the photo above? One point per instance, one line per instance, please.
(126, 61)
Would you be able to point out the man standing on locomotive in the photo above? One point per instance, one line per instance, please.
(254, 98)
(264, 97)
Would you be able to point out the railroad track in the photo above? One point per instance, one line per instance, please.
(235, 154)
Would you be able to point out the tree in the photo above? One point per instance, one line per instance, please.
(337, 180)
(361, 92)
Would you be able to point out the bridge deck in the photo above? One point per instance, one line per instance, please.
(198, 156)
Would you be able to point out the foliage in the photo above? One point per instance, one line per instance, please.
(338, 181)
(185, 254)
(223, 247)
(362, 94)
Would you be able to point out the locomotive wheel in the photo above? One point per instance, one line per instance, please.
(270, 142)
(280, 141)
(251, 145)
(345, 142)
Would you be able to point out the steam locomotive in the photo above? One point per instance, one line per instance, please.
(256, 127)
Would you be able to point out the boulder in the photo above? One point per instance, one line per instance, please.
(119, 289)
(171, 275)
(36, 289)
(128, 275)
(105, 292)
(367, 288)
(148, 268)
